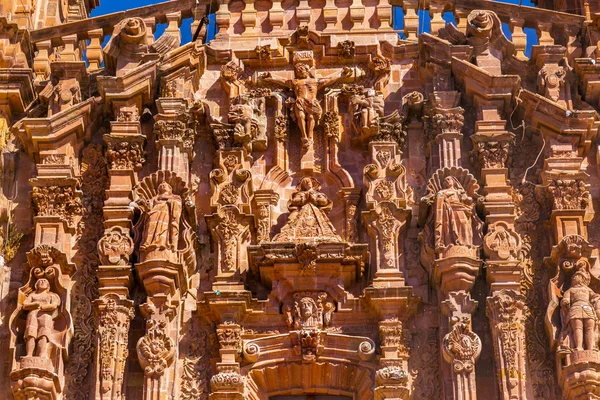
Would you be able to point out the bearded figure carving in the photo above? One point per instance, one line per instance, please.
(42, 306)
(161, 232)
(455, 210)
(309, 315)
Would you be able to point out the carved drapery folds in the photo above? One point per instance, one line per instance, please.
(164, 234)
(452, 235)
(308, 221)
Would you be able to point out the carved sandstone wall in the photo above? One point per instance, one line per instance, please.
(305, 205)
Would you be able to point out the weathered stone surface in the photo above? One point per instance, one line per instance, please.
(304, 206)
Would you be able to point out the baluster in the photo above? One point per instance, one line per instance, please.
(150, 29)
(357, 13)
(411, 20)
(276, 15)
(384, 15)
(519, 38)
(223, 18)
(249, 16)
(330, 13)
(437, 22)
(71, 50)
(94, 50)
(41, 62)
(174, 24)
(303, 13)
(199, 13)
(544, 34)
(460, 16)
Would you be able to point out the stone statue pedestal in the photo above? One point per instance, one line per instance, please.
(35, 380)
(162, 277)
(580, 377)
(457, 269)
(307, 163)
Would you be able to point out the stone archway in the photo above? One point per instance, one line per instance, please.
(334, 378)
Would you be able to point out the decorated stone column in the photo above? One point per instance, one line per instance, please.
(114, 310)
(228, 383)
(231, 222)
(264, 201)
(461, 346)
(444, 125)
(451, 240)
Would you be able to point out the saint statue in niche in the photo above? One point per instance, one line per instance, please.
(308, 220)
(578, 314)
(161, 232)
(454, 221)
(42, 305)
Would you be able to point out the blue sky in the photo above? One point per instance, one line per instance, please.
(110, 6)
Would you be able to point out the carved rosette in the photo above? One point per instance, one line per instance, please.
(114, 316)
(506, 310)
(155, 350)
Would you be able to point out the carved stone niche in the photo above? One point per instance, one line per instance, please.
(308, 248)
(165, 234)
(41, 326)
(571, 318)
(452, 234)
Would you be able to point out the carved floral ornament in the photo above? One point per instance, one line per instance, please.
(155, 349)
(115, 246)
(461, 347)
(63, 202)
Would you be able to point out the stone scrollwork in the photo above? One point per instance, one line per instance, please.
(155, 349)
(115, 247)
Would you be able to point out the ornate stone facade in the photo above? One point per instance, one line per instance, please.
(306, 204)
